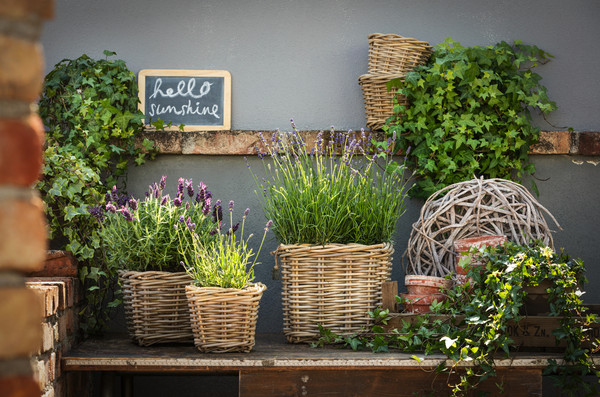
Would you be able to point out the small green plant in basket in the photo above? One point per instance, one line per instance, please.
(224, 262)
(140, 235)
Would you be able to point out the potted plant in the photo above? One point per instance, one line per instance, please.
(472, 328)
(223, 299)
(140, 239)
(423, 291)
(334, 210)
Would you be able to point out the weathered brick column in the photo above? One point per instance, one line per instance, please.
(22, 222)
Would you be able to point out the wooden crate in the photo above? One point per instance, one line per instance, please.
(530, 331)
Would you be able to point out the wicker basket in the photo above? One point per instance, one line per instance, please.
(391, 53)
(156, 307)
(333, 285)
(224, 319)
(378, 100)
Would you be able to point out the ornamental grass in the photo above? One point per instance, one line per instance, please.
(346, 190)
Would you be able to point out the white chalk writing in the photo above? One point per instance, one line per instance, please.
(157, 109)
(183, 89)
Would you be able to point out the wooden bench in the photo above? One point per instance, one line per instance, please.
(276, 368)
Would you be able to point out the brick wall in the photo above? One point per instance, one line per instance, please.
(22, 222)
(58, 294)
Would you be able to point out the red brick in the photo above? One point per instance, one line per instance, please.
(57, 264)
(21, 142)
(22, 65)
(23, 8)
(589, 143)
(20, 322)
(65, 288)
(553, 142)
(48, 295)
(50, 335)
(19, 386)
(23, 240)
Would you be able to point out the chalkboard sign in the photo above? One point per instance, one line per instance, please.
(198, 99)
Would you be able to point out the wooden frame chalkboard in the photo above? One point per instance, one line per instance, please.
(198, 99)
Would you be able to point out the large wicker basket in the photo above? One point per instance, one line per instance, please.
(333, 285)
(156, 307)
(391, 53)
(224, 319)
(378, 99)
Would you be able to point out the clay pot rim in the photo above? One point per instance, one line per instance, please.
(477, 241)
(428, 281)
(416, 299)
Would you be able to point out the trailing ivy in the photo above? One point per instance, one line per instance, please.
(469, 114)
(89, 108)
(472, 325)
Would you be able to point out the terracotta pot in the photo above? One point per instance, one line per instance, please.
(426, 285)
(463, 246)
(417, 303)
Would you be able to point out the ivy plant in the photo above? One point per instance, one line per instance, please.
(89, 108)
(470, 114)
(472, 325)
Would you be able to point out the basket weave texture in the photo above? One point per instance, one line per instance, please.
(156, 308)
(391, 53)
(390, 56)
(334, 285)
(224, 319)
(478, 207)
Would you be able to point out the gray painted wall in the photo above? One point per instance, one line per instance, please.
(564, 185)
(302, 59)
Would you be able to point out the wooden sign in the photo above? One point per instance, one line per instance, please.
(198, 99)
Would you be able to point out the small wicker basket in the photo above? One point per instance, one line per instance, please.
(378, 99)
(156, 307)
(391, 53)
(224, 319)
(334, 285)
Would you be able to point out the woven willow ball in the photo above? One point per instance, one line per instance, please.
(473, 208)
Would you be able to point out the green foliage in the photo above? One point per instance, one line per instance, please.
(89, 108)
(143, 235)
(475, 328)
(223, 263)
(469, 114)
(338, 193)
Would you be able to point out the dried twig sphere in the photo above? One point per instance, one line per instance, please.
(473, 208)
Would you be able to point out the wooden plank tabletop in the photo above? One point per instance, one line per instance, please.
(118, 353)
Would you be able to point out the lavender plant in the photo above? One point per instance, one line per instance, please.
(224, 263)
(142, 235)
(343, 191)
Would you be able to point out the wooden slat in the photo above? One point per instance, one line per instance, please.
(378, 382)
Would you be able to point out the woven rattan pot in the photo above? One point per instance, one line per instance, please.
(333, 285)
(224, 319)
(156, 308)
(378, 99)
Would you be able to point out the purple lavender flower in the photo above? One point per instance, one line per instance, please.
(189, 224)
(231, 206)
(165, 200)
(217, 212)
(126, 214)
(187, 205)
(111, 208)
(213, 232)
(163, 183)
(133, 204)
(206, 206)
(177, 201)
(180, 187)
(268, 225)
(246, 213)
(181, 218)
(190, 188)
(107, 197)
(235, 227)
(113, 193)
(157, 192)
(97, 213)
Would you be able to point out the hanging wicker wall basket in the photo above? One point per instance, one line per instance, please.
(477, 207)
